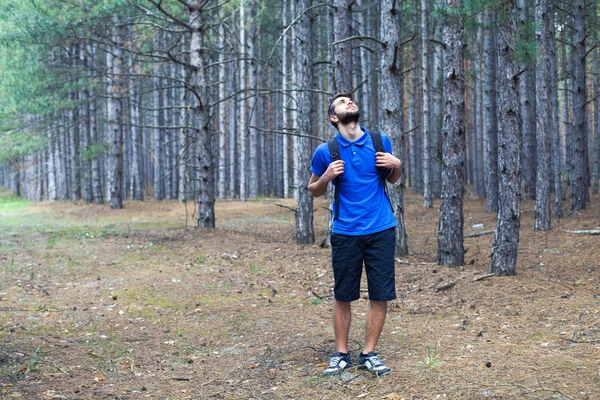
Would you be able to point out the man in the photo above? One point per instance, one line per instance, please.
(363, 232)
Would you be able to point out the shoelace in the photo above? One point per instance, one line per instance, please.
(375, 361)
(335, 361)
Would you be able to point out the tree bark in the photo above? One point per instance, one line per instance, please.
(206, 190)
(391, 105)
(450, 230)
(114, 121)
(579, 187)
(157, 133)
(242, 124)
(342, 29)
(304, 64)
(285, 73)
(491, 110)
(555, 124)
(426, 112)
(506, 240)
(596, 83)
(527, 134)
(437, 106)
(543, 37)
(97, 191)
(222, 115)
(253, 134)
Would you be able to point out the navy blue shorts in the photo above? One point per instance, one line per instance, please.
(376, 251)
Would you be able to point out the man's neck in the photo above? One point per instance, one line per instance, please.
(351, 131)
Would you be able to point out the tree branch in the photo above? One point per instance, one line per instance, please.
(384, 44)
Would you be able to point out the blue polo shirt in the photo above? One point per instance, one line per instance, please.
(364, 206)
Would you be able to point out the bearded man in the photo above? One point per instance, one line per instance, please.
(363, 232)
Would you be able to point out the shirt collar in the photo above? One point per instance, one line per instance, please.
(359, 142)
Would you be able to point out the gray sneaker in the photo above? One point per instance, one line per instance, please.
(373, 364)
(338, 362)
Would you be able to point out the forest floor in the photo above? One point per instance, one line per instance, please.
(130, 304)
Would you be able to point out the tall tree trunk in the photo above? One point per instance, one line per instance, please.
(544, 36)
(565, 106)
(157, 148)
(506, 239)
(233, 114)
(86, 165)
(242, 125)
(206, 190)
(555, 124)
(97, 191)
(490, 111)
(185, 142)
(253, 32)
(391, 104)
(51, 192)
(579, 187)
(294, 115)
(304, 65)
(596, 80)
(426, 116)
(477, 131)
(61, 164)
(413, 168)
(450, 230)
(222, 113)
(342, 29)
(286, 105)
(136, 191)
(525, 98)
(74, 143)
(437, 106)
(114, 122)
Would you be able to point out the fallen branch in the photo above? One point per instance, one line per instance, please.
(55, 366)
(581, 341)
(446, 286)
(289, 208)
(399, 261)
(480, 278)
(480, 233)
(311, 291)
(586, 232)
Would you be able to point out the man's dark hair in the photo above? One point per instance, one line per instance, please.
(332, 108)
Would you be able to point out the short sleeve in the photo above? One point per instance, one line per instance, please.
(321, 160)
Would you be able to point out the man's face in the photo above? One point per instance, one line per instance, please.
(346, 111)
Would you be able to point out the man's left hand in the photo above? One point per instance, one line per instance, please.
(387, 160)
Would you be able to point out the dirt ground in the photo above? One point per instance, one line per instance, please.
(130, 304)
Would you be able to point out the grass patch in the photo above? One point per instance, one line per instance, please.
(256, 269)
(10, 203)
(110, 354)
(431, 360)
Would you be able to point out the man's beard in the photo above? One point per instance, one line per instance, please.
(349, 116)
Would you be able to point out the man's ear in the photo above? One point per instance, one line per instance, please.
(334, 119)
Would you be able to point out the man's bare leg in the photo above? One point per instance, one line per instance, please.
(342, 316)
(374, 325)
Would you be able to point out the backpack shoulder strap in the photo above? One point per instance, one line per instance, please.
(334, 152)
(377, 141)
(334, 149)
(378, 144)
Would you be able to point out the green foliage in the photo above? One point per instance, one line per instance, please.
(526, 45)
(95, 151)
(15, 144)
(432, 357)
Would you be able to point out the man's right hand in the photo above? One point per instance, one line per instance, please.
(317, 185)
(334, 170)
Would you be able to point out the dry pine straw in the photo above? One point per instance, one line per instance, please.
(147, 309)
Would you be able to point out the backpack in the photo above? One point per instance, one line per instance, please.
(334, 152)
